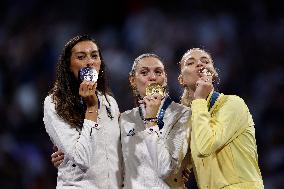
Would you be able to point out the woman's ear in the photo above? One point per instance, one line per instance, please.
(166, 80)
(215, 77)
(132, 81)
(180, 80)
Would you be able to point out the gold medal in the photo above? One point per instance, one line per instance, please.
(154, 88)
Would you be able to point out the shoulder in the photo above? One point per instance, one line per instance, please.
(235, 107)
(129, 119)
(107, 97)
(129, 114)
(48, 99)
(233, 100)
(49, 112)
(49, 102)
(179, 108)
(111, 99)
(178, 112)
(233, 103)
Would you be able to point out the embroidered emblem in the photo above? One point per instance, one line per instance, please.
(131, 132)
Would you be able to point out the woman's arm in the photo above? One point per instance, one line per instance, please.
(211, 134)
(76, 146)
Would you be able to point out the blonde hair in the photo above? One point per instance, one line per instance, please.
(137, 60)
(183, 59)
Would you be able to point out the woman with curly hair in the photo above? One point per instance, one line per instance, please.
(223, 145)
(81, 119)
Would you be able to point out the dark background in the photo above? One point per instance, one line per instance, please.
(245, 39)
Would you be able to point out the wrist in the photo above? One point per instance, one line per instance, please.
(91, 114)
(149, 122)
(150, 116)
(92, 109)
(199, 97)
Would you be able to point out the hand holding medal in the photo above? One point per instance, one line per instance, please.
(88, 77)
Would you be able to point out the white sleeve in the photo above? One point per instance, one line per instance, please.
(79, 147)
(114, 104)
(167, 153)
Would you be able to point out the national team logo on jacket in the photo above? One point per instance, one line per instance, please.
(131, 132)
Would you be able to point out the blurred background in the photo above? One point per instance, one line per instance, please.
(245, 39)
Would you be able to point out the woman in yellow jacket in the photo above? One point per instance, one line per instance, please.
(223, 144)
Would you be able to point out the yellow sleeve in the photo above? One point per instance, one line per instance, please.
(210, 133)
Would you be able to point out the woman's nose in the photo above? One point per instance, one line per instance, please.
(89, 62)
(152, 76)
(199, 64)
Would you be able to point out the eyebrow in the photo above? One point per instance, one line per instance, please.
(144, 67)
(95, 51)
(204, 57)
(189, 59)
(200, 58)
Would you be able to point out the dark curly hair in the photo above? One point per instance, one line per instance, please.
(65, 91)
